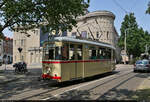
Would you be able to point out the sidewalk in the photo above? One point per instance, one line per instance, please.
(143, 91)
(9, 75)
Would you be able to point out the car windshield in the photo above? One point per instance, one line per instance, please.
(142, 62)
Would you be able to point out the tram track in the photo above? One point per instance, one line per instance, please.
(47, 91)
(121, 80)
(89, 83)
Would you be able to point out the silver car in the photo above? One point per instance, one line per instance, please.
(142, 65)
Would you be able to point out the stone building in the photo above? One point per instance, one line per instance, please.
(30, 44)
(1, 51)
(6, 50)
(98, 25)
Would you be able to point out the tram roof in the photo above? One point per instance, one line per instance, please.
(70, 39)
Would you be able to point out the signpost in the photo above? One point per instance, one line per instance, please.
(20, 50)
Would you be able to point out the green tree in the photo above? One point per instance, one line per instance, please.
(27, 14)
(148, 9)
(136, 37)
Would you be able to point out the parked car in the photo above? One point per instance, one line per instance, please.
(142, 65)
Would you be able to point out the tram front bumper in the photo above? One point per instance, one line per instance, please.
(47, 76)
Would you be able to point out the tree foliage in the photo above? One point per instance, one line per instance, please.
(27, 14)
(136, 37)
(148, 9)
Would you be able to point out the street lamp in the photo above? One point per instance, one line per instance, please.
(125, 43)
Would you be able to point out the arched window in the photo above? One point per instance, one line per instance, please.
(97, 34)
(107, 35)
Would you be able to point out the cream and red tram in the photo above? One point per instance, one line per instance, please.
(67, 58)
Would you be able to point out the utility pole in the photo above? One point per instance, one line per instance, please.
(125, 44)
(146, 49)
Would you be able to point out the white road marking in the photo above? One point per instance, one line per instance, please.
(84, 85)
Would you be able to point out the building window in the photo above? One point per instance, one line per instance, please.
(84, 34)
(97, 34)
(22, 58)
(15, 42)
(15, 58)
(92, 53)
(22, 42)
(64, 33)
(74, 34)
(107, 35)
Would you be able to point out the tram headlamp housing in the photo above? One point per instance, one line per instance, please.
(48, 69)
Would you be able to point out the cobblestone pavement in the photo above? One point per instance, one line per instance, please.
(27, 86)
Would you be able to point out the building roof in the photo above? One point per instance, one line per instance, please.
(97, 13)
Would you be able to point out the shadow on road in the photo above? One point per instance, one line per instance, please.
(30, 82)
(142, 75)
(73, 95)
(88, 79)
(27, 83)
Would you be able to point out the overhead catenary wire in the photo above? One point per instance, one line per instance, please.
(120, 6)
(134, 4)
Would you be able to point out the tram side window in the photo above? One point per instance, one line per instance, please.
(51, 54)
(104, 53)
(72, 52)
(92, 53)
(113, 54)
(109, 54)
(79, 52)
(46, 54)
(58, 55)
(65, 52)
(100, 53)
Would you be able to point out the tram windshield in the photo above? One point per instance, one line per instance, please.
(55, 52)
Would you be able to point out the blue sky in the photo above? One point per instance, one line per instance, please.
(137, 6)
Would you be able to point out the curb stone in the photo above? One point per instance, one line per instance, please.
(5, 82)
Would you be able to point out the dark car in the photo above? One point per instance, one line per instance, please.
(142, 65)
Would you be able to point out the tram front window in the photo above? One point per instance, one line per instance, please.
(52, 53)
(56, 53)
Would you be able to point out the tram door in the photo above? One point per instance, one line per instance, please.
(79, 64)
(76, 57)
(72, 57)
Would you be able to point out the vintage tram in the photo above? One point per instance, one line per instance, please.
(66, 58)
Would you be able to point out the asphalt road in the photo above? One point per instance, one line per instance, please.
(119, 85)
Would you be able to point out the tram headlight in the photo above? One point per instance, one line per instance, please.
(48, 69)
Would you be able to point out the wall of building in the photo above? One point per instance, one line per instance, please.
(6, 50)
(31, 46)
(1, 51)
(98, 24)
